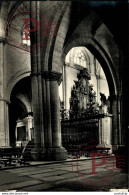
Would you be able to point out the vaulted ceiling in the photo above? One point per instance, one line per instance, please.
(114, 15)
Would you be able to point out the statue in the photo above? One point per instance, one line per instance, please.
(103, 98)
(104, 104)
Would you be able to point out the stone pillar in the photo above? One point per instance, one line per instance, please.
(47, 131)
(115, 119)
(55, 113)
(105, 129)
(98, 88)
(4, 118)
(7, 139)
(36, 115)
(48, 113)
(41, 117)
(4, 124)
(56, 151)
(120, 148)
(38, 151)
(65, 87)
(37, 86)
(121, 133)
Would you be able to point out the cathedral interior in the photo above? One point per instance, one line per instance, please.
(63, 77)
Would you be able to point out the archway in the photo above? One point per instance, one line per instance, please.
(20, 113)
(77, 59)
(85, 107)
(96, 43)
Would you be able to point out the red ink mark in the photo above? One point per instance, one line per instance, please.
(107, 162)
(44, 30)
(97, 165)
(27, 30)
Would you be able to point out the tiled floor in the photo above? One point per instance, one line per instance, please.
(65, 176)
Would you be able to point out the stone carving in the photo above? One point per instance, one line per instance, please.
(105, 104)
(92, 105)
(103, 98)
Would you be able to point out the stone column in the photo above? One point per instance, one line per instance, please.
(98, 88)
(105, 126)
(121, 133)
(38, 151)
(63, 84)
(105, 129)
(35, 103)
(48, 114)
(41, 117)
(7, 139)
(120, 148)
(37, 86)
(47, 131)
(115, 119)
(4, 118)
(100, 131)
(56, 151)
(4, 124)
(55, 113)
(65, 88)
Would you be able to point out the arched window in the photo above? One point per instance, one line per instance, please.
(79, 58)
(26, 40)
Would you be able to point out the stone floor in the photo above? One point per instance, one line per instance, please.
(64, 176)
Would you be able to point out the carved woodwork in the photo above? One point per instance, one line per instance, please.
(83, 97)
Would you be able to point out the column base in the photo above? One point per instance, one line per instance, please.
(38, 153)
(56, 154)
(103, 146)
(121, 153)
(42, 153)
(35, 153)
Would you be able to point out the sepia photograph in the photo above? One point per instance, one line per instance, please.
(64, 100)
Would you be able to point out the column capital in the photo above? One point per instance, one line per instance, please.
(53, 76)
(4, 100)
(50, 75)
(36, 74)
(2, 40)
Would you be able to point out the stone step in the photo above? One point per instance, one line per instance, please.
(27, 151)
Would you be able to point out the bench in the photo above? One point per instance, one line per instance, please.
(5, 161)
(12, 160)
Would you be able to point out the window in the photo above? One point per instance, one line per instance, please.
(79, 58)
(26, 40)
